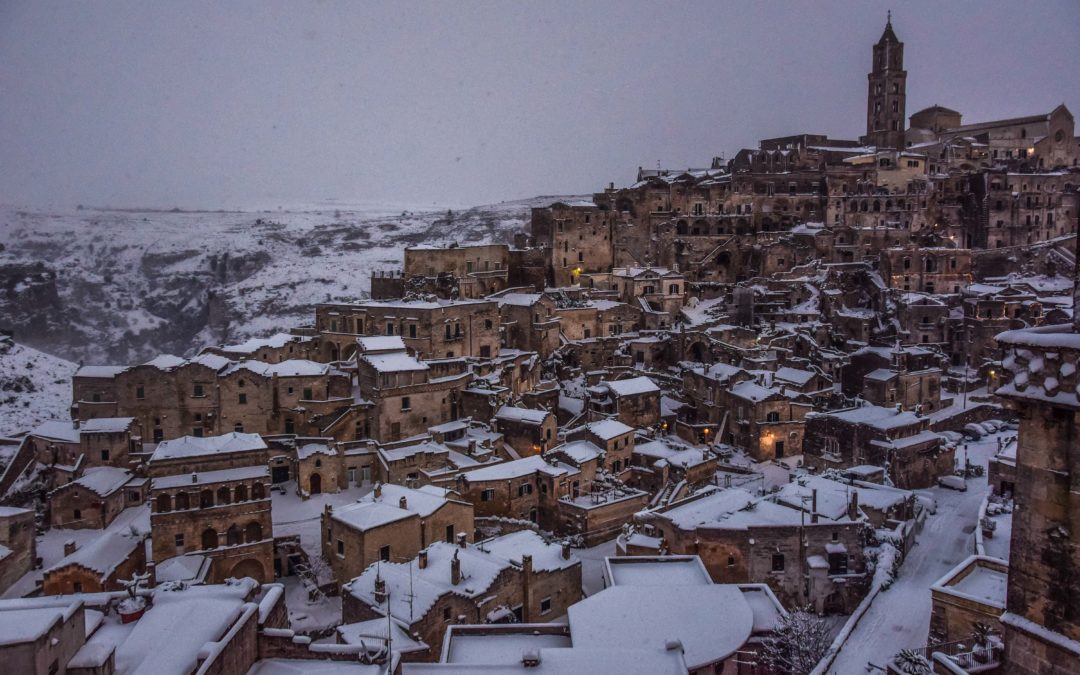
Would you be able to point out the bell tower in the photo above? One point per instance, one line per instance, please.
(886, 98)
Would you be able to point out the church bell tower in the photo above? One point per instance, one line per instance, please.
(885, 101)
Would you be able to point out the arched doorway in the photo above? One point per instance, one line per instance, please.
(249, 567)
(234, 537)
(316, 484)
(209, 538)
(253, 532)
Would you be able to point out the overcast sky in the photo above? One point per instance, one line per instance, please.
(238, 104)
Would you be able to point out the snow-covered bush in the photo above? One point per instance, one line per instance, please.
(800, 642)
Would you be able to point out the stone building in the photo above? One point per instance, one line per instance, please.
(1040, 627)
(107, 441)
(804, 557)
(41, 637)
(273, 349)
(634, 401)
(900, 441)
(887, 94)
(578, 236)
(18, 545)
(971, 593)
(528, 431)
(529, 322)
(205, 453)
(392, 524)
(521, 579)
(927, 270)
(430, 329)
(469, 272)
(95, 499)
(409, 395)
(223, 515)
(99, 565)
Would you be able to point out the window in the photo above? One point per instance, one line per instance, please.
(242, 399)
(545, 605)
(96, 398)
(140, 392)
(525, 489)
(450, 534)
(307, 394)
(412, 330)
(76, 515)
(197, 432)
(384, 553)
(772, 417)
(488, 495)
(389, 328)
(446, 614)
(731, 561)
(778, 562)
(487, 324)
(179, 540)
(198, 391)
(405, 404)
(340, 548)
(104, 455)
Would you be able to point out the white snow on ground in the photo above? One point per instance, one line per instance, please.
(293, 515)
(592, 566)
(34, 387)
(900, 616)
(306, 616)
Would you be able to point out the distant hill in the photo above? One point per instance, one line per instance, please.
(34, 387)
(121, 286)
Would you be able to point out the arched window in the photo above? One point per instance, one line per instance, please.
(258, 491)
(164, 503)
(241, 493)
(235, 536)
(206, 499)
(209, 538)
(253, 532)
(183, 502)
(223, 496)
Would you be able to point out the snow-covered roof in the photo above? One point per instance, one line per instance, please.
(102, 480)
(519, 299)
(794, 375)
(165, 362)
(522, 415)
(609, 429)
(672, 453)
(369, 344)
(712, 622)
(579, 451)
(21, 623)
(194, 446)
(275, 341)
(413, 590)
(169, 637)
(545, 557)
(632, 387)
(106, 425)
(876, 417)
(210, 477)
(833, 496)
(373, 634)
(518, 468)
(393, 362)
(881, 375)
(100, 371)
(57, 430)
(314, 666)
(314, 448)
(104, 553)
(371, 512)
(670, 570)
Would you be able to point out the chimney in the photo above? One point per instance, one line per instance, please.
(461, 539)
(813, 506)
(853, 505)
(69, 547)
(380, 590)
(472, 446)
(194, 477)
(455, 570)
(403, 503)
(378, 490)
(566, 550)
(530, 658)
(421, 559)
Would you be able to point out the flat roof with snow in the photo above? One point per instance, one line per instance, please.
(194, 446)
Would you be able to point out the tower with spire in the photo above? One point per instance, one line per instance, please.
(886, 97)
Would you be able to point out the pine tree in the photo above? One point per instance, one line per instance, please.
(800, 642)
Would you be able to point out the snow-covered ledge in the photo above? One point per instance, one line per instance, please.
(1044, 362)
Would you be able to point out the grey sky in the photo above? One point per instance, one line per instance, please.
(256, 104)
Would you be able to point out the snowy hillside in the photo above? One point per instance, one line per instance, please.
(34, 387)
(123, 285)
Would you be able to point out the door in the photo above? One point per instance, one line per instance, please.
(279, 474)
(352, 476)
(365, 474)
(779, 449)
(316, 484)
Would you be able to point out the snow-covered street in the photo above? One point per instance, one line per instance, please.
(900, 616)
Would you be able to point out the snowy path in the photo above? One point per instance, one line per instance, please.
(900, 616)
